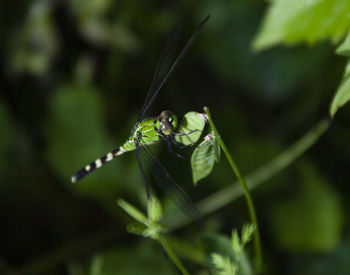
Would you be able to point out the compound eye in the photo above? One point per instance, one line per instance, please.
(164, 115)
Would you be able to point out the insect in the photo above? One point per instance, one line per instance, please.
(152, 130)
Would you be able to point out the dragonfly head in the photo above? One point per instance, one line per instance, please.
(167, 122)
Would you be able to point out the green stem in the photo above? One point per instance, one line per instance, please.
(172, 255)
(249, 200)
(230, 193)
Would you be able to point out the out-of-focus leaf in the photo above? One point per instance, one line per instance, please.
(191, 121)
(154, 209)
(342, 95)
(293, 21)
(311, 222)
(136, 228)
(152, 229)
(76, 136)
(204, 157)
(223, 265)
(36, 44)
(91, 8)
(91, 20)
(75, 128)
(133, 211)
(238, 243)
(277, 74)
(215, 243)
(247, 233)
(347, 70)
(124, 39)
(344, 48)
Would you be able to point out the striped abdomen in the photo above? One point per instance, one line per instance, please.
(96, 164)
(149, 136)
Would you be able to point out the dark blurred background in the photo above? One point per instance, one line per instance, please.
(74, 75)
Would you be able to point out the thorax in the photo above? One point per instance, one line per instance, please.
(147, 128)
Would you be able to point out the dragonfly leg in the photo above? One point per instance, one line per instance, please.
(179, 145)
(170, 148)
(185, 134)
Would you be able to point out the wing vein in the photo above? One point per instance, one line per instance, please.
(154, 90)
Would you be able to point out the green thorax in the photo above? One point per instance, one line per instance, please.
(152, 130)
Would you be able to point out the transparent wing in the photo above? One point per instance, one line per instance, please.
(139, 162)
(162, 68)
(168, 184)
(162, 71)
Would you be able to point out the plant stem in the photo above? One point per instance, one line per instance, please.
(249, 200)
(164, 243)
(260, 175)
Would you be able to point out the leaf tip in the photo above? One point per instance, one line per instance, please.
(120, 202)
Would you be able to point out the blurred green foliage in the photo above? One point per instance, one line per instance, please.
(73, 77)
(35, 45)
(314, 225)
(303, 21)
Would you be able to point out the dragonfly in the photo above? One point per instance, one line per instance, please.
(149, 131)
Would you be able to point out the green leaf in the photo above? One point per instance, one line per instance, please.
(237, 242)
(204, 157)
(344, 48)
(312, 221)
(215, 243)
(133, 211)
(247, 233)
(347, 69)
(148, 227)
(191, 122)
(154, 231)
(136, 228)
(294, 21)
(154, 210)
(223, 265)
(342, 95)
